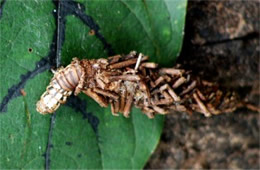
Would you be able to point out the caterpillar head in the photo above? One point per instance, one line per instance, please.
(64, 82)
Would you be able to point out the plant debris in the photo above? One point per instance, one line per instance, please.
(124, 81)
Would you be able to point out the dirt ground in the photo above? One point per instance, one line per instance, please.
(221, 44)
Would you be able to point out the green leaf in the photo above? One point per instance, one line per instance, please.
(84, 135)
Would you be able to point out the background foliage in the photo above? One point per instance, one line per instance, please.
(33, 36)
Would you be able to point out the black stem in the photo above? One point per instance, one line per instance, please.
(59, 32)
(2, 7)
(49, 144)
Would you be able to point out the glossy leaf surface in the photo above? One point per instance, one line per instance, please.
(82, 134)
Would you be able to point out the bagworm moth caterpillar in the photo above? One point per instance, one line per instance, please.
(130, 80)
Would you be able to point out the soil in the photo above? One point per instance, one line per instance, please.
(221, 44)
